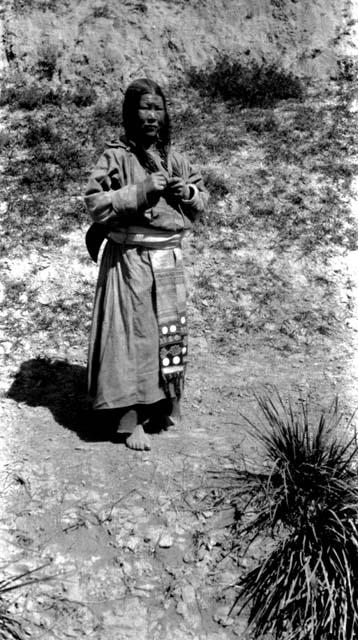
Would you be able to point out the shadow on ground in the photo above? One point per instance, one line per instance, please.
(61, 387)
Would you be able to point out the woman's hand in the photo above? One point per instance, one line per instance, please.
(178, 188)
(156, 182)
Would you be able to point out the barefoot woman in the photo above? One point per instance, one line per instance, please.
(142, 197)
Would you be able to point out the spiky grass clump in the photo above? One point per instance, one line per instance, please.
(11, 628)
(307, 588)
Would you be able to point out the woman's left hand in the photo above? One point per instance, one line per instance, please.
(178, 188)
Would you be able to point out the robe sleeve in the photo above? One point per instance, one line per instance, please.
(107, 196)
(199, 196)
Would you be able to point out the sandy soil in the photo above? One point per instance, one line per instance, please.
(127, 545)
(131, 546)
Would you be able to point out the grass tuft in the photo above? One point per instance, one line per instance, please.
(307, 587)
(11, 627)
(217, 185)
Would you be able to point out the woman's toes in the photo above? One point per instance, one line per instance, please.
(138, 440)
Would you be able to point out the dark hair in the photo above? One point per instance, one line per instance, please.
(131, 101)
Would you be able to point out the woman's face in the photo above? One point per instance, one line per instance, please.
(151, 115)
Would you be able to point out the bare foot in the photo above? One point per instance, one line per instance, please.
(138, 440)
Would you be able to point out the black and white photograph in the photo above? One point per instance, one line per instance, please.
(179, 319)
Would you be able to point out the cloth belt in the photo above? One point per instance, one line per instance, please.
(148, 238)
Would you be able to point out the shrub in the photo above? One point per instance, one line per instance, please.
(50, 166)
(307, 587)
(5, 139)
(41, 218)
(102, 12)
(109, 112)
(53, 157)
(22, 94)
(68, 155)
(38, 133)
(47, 61)
(248, 83)
(347, 69)
(84, 95)
(185, 120)
(262, 124)
(26, 6)
(216, 184)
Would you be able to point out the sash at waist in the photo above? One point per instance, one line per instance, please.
(147, 237)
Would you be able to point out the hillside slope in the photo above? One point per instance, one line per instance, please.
(108, 42)
(106, 543)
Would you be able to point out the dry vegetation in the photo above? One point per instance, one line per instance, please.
(279, 179)
(306, 586)
(279, 171)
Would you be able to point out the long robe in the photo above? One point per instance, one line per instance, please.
(134, 299)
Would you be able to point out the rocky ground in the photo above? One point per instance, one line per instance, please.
(138, 545)
(110, 543)
(108, 42)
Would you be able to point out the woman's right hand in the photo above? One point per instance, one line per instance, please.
(156, 182)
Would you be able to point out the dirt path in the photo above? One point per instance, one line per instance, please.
(131, 544)
(132, 549)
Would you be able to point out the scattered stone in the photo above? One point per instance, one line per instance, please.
(137, 512)
(153, 534)
(224, 620)
(6, 346)
(165, 541)
(119, 541)
(132, 543)
(353, 107)
(182, 609)
(126, 567)
(143, 566)
(207, 514)
(72, 589)
(170, 518)
(189, 557)
(188, 594)
(146, 587)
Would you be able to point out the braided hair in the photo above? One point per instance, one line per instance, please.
(131, 101)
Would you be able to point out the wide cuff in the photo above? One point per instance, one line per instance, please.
(99, 206)
(142, 200)
(194, 195)
(129, 199)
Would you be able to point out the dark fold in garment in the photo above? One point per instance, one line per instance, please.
(95, 236)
